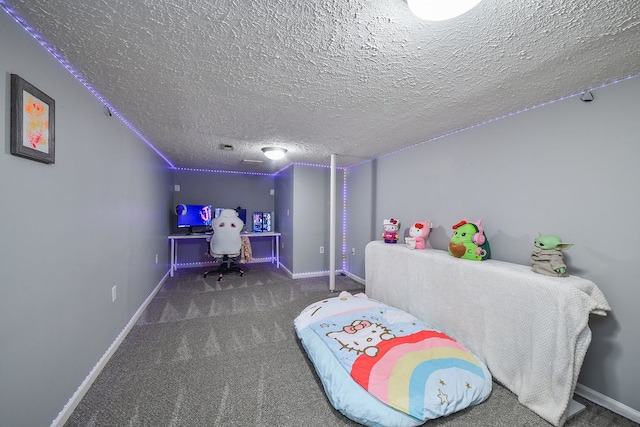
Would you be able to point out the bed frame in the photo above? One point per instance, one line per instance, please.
(531, 330)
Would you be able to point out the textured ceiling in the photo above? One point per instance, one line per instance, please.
(358, 78)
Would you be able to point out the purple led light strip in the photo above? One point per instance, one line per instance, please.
(61, 59)
(500, 117)
(344, 220)
(222, 171)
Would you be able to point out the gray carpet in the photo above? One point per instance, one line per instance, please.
(208, 353)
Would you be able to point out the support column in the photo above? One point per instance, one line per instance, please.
(332, 226)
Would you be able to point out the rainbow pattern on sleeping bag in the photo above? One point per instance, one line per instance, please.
(396, 358)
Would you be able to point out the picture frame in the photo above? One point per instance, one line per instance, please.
(33, 113)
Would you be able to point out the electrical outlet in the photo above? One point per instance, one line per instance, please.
(353, 251)
(156, 258)
(321, 249)
(113, 294)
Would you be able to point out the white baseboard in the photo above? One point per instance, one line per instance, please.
(309, 274)
(68, 409)
(356, 278)
(608, 403)
(302, 275)
(321, 274)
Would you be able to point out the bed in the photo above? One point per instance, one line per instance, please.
(381, 366)
(531, 330)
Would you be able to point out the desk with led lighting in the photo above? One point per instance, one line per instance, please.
(174, 238)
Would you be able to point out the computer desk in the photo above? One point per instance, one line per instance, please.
(174, 238)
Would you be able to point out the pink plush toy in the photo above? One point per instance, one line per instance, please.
(420, 230)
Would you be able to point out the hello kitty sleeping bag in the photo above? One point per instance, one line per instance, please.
(381, 366)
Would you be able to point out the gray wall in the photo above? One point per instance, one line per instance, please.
(223, 190)
(302, 215)
(70, 231)
(569, 168)
(362, 226)
(284, 214)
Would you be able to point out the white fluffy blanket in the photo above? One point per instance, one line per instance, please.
(531, 330)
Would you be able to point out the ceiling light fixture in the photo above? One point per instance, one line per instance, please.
(274, 153)
(440, 10)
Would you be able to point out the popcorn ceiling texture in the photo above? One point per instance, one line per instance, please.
(357, 78)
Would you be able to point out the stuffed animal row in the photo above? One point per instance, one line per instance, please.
(470, 242)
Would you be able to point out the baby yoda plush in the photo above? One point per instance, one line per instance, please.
(547, 255)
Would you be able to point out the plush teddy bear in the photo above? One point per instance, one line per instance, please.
(420, 231)
(547, 257)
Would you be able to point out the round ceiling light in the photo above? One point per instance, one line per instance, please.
(274, 153)
(440, 10)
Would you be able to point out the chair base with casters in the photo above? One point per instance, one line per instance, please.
(228, 265)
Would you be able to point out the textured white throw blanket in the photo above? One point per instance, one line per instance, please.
(531, 330)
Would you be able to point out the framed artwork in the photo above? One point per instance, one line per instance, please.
(32, 122)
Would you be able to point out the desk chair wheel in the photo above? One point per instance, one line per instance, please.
(220, 275)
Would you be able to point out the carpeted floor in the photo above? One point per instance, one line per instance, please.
(208, 353)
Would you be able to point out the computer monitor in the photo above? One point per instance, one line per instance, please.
(190, 216)
(242, 213)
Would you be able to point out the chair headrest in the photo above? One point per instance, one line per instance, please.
(228, 213)
(227, 218)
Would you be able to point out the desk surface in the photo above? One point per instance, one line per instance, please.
(204, 235)
(174, 238)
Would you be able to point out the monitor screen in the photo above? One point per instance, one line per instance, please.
(194, 215)
(242, 213)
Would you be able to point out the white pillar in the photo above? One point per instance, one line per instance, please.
(332, 226)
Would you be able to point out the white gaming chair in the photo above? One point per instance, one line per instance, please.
(226, 243)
